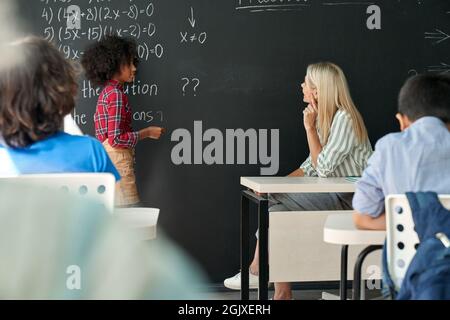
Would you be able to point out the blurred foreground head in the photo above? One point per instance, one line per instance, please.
(57, 247)
(37, 91)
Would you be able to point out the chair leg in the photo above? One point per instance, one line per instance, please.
(343, 281)
(358, 270)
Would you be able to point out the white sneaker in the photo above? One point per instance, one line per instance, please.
(234, 283)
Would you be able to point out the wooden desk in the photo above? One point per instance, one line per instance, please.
(274, 185)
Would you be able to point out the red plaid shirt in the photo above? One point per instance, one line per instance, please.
(113, 117)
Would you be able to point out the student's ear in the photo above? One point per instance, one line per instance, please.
(403, 121)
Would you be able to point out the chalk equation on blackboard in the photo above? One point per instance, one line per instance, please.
(71, 24)
(73, 14)
(67, 23)
(97, 33)
(193, 37)
(438, 36)
(200, 38)
(144, 51)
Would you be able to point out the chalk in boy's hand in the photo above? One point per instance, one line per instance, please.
(151, 133)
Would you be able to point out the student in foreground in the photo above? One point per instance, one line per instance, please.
(415, 159)
(110, 64)
(339, 147)
(37, 91)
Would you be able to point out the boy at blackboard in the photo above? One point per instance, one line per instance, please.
(110, 64)
(37, 90)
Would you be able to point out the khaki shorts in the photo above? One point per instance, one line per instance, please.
(123, 159)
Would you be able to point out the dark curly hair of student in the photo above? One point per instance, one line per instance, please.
(37, 91)
(104, 59)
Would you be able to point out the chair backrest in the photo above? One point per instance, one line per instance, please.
(402, 240)
(71, 127)
(99, 187)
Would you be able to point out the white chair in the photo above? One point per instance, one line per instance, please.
(98, 187)
(402, 240)
(340, 229)
(71, 127)
(141, 220)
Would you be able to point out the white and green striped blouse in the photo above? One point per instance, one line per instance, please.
(343, 155)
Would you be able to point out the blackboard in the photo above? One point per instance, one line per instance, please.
(239, 64)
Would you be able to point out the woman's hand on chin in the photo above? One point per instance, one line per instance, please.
(310, 114)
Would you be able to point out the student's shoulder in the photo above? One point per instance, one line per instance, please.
(80, 141)
(389, 141)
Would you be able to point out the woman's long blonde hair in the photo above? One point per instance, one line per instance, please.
(333, 94)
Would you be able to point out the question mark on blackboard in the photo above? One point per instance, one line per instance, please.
(195, 87)
(184, 87)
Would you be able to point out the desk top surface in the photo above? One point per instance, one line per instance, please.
(340, 229)
(298, 184)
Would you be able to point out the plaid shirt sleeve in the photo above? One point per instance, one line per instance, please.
(116, 115)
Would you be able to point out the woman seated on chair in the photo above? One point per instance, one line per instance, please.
(339, 147)
(37, 90)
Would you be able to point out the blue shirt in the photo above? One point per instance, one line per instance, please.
(417, 159)
(60, 153)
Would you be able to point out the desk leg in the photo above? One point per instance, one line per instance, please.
(358, 267)
(263, 216)
(245, 263)
(344, 262)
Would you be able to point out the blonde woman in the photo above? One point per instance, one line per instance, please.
(339, 147)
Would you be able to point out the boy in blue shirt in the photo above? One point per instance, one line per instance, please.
(416, 159)
(36, 92)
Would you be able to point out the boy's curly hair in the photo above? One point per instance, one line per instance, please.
(36, 92)
(104, 59)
